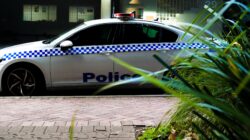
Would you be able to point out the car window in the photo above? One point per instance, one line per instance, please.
(135, 33)
(96, 35)
(132, 33)
(168, 36)
(151, 33)
(143, 33)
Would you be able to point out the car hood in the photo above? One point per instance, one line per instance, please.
(23, 47)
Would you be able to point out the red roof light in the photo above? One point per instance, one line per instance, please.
(124, 16)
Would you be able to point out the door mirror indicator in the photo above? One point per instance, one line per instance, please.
(65, 45)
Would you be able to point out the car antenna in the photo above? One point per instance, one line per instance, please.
(134, 12)
(156, 19)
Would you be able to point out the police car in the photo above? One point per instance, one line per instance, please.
(80, 57)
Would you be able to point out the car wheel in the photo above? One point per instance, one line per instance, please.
(21, 81)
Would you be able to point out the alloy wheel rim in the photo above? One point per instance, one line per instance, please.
(21, 82)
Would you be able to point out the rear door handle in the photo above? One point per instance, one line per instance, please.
(107, 53)
(162, 50)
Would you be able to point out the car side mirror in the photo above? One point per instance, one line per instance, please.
(65, 45)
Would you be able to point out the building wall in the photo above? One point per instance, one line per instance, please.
(15, 29)
(172, 11)
(106, 8)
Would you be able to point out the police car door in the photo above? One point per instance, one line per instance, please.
(139, 39)
(86, 62)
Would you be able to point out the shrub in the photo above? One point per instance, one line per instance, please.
(214, 89)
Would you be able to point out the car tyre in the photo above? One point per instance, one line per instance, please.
(22, 81)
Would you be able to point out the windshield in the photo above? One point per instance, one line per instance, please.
(48, 41)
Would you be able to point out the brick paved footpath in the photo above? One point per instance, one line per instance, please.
(111, 118)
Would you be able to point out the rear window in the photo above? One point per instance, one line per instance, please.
(168, 36)
(143, 33)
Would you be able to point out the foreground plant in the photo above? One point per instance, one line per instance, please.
(214, 88)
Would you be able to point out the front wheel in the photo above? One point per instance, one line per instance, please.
(21, 81)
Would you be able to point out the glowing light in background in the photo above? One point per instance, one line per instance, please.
(149, 15)
(134, 2)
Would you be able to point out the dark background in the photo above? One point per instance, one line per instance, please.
(14, 30)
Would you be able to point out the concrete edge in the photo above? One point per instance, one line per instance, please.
(102, 96)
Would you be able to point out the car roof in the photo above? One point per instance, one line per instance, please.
(115, 20)
(140, 21)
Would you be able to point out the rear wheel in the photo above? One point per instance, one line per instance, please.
(22, 81)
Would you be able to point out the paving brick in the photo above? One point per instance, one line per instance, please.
(44, 137)
(77, 129)
(3, 129)
(87, 129)
(39, 130)
(88, 139)
(55, 134)
(139, 123)
(80, 136)
(105, 123)
(25, 137)
(63, 129)
(60, 123)
(39, 123)
(49, 123)
(116, 128)
(126, 123)
(15, 124)
(68, 123)
(64, 136)
(129, 129)
(94, 123)
(149, 123)
(7, 137)
(123, 135)
(4, 124)
(51, 129)
(15, 129)
(82, 123)
(49, 139)
(27, 123)
(108, 128)
(99, 128)
(115, 123)
(27, 129)
(91, 135)
(2, 133)
(121, 139)
(102, 135)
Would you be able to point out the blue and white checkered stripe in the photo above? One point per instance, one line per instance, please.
(103, 48)
(27, 54)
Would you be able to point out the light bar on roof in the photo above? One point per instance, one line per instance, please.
(124, 16)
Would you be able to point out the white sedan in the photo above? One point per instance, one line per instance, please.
(79, 57)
